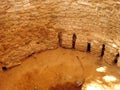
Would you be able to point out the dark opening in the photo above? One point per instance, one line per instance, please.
(60, 38)
(74, 40)
(103, 50)
(116, 58)
(115, 61)
(89, 47)
(117, 55)
(4, 68)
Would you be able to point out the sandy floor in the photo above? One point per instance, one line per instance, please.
(56, 68)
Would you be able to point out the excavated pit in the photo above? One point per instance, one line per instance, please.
(59, 44)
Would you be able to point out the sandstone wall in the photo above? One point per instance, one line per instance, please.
(29, 26)
(110, 52)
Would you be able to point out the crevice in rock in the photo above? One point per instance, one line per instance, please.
(103, 50)
(88, 47)
(60, 38)
(74, 37)
(116, 58)
(31, 55)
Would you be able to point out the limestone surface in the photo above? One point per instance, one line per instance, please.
(30, 26)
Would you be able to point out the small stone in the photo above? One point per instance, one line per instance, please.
(79, 83)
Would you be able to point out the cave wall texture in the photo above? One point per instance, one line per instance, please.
(30, 26)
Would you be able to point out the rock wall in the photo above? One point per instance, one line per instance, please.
(110, 50)
(30, 26)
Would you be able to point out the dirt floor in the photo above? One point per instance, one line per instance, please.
(61, 69)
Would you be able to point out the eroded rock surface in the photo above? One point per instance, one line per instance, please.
(30, 26)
